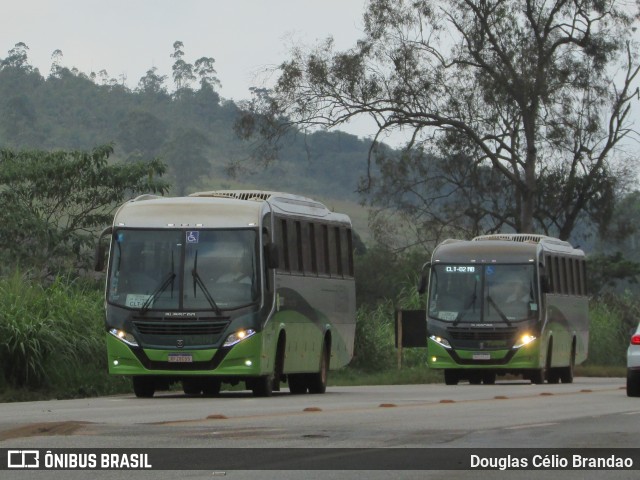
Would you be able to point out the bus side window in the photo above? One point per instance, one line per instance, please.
(310, 255)
(339, 248)
(292, 245)
(283, 246)
(350, 268)
(321, 249)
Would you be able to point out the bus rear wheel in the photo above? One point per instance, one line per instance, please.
(566, 373)
(297, 383)
(144, 387)
(554, 375)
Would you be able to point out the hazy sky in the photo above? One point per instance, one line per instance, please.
(127, 37)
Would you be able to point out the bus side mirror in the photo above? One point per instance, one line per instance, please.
(272, 258)
(100, 254)
(422, 285)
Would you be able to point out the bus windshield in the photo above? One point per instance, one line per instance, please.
(483, 293)
(186, 270)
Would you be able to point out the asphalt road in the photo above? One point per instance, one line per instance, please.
(590, 413)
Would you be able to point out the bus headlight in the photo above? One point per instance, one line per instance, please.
(440, 341)
(525, 339)
(123, 336)
(238, 337)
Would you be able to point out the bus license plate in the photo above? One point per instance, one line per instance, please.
(481, 356)
(180, 358)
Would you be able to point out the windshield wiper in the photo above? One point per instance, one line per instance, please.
(500, 312)
(472, 303)
(197, 280)
(161, 288)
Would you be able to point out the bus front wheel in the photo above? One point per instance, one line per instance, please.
(451, 377)
(318, 381)
(262, 386)
(211, 387)
(144, 387)
(537, 376)
(489, 378)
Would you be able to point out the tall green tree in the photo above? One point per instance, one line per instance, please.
(54, 202)
(206, 72)
(17, 58)
(530, 88)
(182, 71)
(152, 84)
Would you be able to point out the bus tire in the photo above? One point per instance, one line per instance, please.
(191, 387)
(451, 377)
(211, 387)
(318, 381)
(540, 375)
(489, 378)
(554, 375)
(144, 387)
(537, 376)
(297, 383)
(475, 378)
(566, 373)
(262, 386)
(279, 367)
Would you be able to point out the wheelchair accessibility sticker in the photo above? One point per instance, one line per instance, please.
(193, 236)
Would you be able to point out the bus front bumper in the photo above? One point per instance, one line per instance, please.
(524, 357)
(240, 360)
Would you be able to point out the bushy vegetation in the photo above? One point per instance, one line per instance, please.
(52, 339)
(612, 317)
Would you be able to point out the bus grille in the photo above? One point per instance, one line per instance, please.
(177, 329)
(483, 334)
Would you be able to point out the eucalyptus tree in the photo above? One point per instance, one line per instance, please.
(56, 63)
(538, 91)
(182, 71)
(206, 72)
(17, 58)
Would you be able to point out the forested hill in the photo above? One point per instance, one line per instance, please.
(190, 128)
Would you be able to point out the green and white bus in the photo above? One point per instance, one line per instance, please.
(228, 287)
(506, 304)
